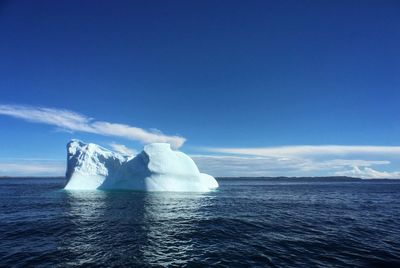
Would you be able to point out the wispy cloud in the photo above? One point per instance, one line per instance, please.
(72, 121)
(122, 149)
(307, 150)
(369, 173)
(44, 168)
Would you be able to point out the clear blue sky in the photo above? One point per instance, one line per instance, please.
(220, 74)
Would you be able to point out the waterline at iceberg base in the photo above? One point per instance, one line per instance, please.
(156, 168)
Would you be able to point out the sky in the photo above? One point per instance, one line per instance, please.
(246, 88)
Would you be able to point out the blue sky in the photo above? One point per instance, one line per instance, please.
(237, 85)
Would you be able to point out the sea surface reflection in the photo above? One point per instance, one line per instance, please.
(132, 227)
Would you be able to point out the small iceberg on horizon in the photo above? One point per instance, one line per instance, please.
(156, 168)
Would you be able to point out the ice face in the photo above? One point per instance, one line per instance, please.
(156, 168)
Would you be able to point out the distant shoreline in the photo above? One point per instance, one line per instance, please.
(32, 177)
(279, 178)
(339, 178)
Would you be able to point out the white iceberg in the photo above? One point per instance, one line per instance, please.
(156, 168)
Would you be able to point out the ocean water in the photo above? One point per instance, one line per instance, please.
(246, 223)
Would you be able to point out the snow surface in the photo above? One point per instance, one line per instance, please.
(156, 168)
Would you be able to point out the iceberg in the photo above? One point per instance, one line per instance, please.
(156, 168)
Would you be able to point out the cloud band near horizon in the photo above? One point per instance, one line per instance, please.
(307, 150)
(302, 160)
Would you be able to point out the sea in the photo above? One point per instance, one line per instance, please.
(247, 222)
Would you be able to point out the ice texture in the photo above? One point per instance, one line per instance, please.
(156, 168)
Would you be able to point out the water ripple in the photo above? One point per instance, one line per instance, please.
(243, 224)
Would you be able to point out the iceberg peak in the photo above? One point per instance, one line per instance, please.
(156, 168)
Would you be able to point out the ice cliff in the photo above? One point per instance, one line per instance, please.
(156, 168)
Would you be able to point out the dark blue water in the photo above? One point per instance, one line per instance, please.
(245, 223)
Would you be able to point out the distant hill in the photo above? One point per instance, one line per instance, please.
(327, 178)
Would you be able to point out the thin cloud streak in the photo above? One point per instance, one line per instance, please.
(369, 173)
(72, 121)
(307, 150)
(32, 169)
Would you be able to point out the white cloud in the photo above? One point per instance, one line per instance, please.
(32, 169)
(369, 173)
(122, 149)
(72, 121)
(308, 150)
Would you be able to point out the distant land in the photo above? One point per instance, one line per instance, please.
(280, 178)
(304, 179)
(330, 178)
(32, 177)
